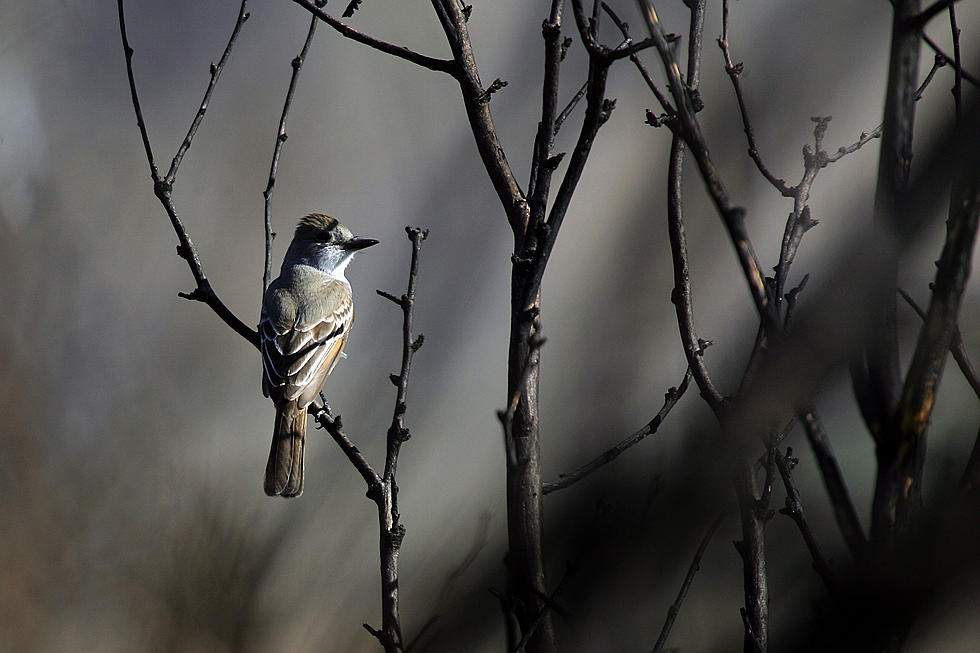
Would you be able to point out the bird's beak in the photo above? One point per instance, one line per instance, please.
(357, 243)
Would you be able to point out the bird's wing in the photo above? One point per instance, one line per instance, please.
(302, 339)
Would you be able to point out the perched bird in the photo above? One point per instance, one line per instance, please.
(307, 314)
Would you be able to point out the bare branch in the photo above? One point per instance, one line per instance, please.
(919, 20)
(675, 607)
(957, 61)
(840, 498)
(511, 196)
(297, 65)
(956, 347)
(215, 73)
(690, 130)
(973, 79)
(439, 65)
(671, 398)
(163, 188)
(907, 432)
(154, 173)
(397, 433)
(542, 168)
(794, 510)
(734, 72)
(335, 427)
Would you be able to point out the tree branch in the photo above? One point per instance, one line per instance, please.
(690, 130)
(163, 187)
(973, 79)
(907, 431)
(840, 498)
(734, 72)
(956, 348)
(675, 607)
(383, 490)
(297, 65)
(671, 398)
(439, 65)
(477, 106)
(794, 510)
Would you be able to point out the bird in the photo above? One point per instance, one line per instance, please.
(307, 313)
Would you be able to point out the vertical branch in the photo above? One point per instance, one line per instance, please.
(752, 549)
(543, 166)
(297, 65)
(884, 382)
(392, 531)
(681, 295)
(687, 125)
(476, 101)
(935, 336)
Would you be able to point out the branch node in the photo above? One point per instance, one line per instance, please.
(607, 108)
(395, 379)
(418, 342)
(397, 536)
(552, 161)
(400, 301)
(467, 10)
(353, 6)
(565, 44)
(495, 86)
(162, 188)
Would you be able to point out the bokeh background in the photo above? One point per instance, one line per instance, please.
(134, 434)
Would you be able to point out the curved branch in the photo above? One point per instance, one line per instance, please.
(671, 398)
(439, 65)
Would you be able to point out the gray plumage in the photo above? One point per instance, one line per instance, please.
(307, 313)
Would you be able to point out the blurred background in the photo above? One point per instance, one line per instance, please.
(134, 434)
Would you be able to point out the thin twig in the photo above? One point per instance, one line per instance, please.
(542, 163)
(973, 79)
(397, 433)
(333, 425)
(671, 398)
(867, 137)
(297, 65)
(840, 498)
(392, 531)
(163, 187)
(512, 198)
(215, 73)
(732, 216)
(957, 64)
(734, 72)
(682, 295)
(546, 606)
(675, 607)
(919, 20)
(794, 510)
(439, 65)
(154, 173)
(956, 347)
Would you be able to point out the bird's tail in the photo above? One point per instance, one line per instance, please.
(284, 472)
